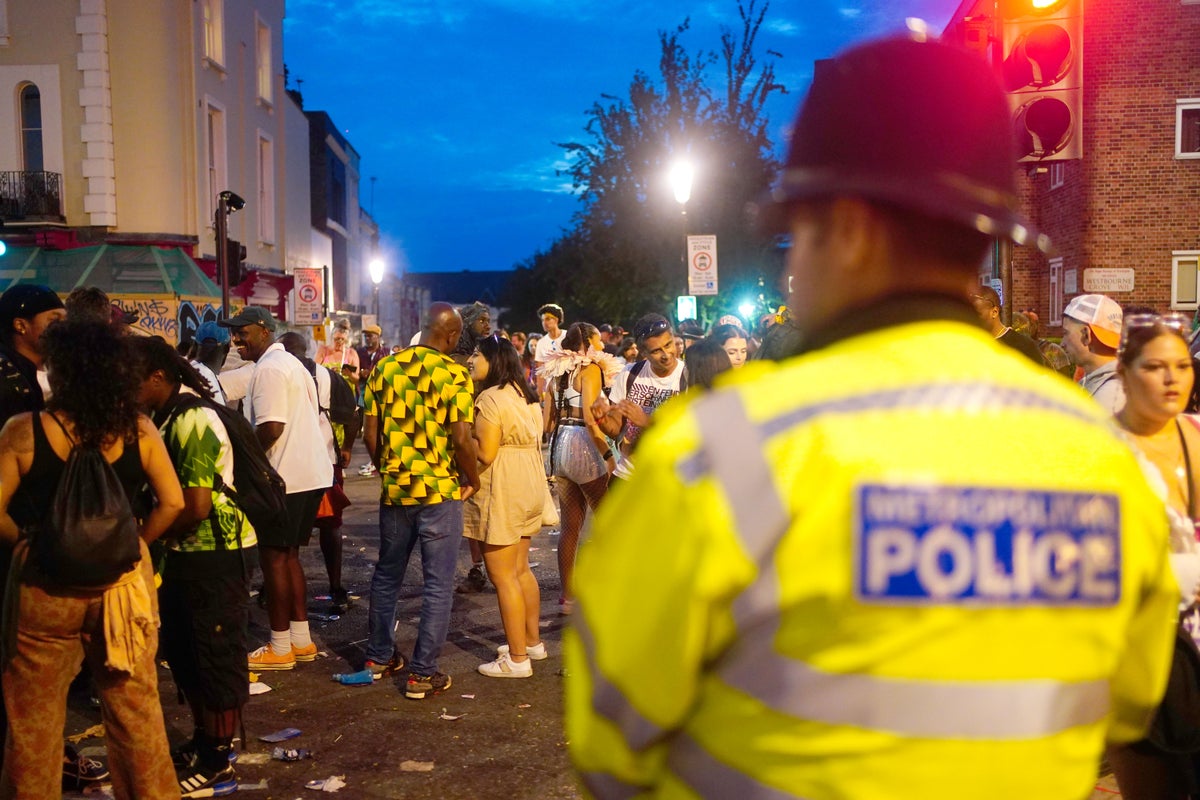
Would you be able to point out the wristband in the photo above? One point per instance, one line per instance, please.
(606, 455)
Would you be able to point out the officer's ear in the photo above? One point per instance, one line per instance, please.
(855, 232)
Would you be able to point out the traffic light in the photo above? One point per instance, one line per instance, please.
(1042, 68)
(235, 255)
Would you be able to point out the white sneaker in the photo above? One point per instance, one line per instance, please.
(366, 470)
(535, 651)
(504, 667)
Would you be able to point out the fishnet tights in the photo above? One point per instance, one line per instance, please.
(574, 501)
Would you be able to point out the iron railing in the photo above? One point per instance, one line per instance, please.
(31, 197)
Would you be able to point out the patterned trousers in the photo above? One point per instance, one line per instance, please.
(56, 630)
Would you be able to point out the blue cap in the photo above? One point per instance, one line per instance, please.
(211, 331)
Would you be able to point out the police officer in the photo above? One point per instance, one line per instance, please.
(819, 583)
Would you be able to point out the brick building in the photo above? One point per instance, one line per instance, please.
(1123, 216)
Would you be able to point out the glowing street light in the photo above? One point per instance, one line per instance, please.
(682, 174)
(375, 268)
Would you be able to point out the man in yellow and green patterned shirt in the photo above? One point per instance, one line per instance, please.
(418, 408)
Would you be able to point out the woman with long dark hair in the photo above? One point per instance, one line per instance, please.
(580, 456)
(49, 629)
(507, 510)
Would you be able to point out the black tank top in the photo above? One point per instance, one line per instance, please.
(33, 497)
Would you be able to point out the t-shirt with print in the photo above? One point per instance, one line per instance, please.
(200, 450)
(647, 390)
(418, 394)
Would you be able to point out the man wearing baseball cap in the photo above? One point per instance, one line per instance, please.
(281, 403)
(1091, 335)
(26, 310)
(837, 595)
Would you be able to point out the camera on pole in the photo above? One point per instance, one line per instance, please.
(228, 260)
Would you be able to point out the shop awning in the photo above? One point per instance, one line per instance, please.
(117, 269)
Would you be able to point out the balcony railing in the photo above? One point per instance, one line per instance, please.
(31, 197)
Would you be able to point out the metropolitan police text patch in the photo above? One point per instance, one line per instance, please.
(987, 546)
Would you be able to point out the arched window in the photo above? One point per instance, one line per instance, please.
(31, 128)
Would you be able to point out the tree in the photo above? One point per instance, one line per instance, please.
(623, 256)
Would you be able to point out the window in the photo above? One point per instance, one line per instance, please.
(215, 155)
(263, 54)
(1187, 128)
(1058, 171)
(1185, 286)
(31, 129)
(266, 189)
(1056, 291)
(214, 30)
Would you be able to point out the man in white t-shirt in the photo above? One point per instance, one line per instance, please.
(552, 320)
(641, 388)
(281, 403)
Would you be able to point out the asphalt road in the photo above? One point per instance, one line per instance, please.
(507, 740)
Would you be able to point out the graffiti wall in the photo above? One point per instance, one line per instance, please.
(173, 318)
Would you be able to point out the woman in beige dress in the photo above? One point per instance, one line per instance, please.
(507, 510)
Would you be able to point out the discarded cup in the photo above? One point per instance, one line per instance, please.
(364, 677)
(289, 754)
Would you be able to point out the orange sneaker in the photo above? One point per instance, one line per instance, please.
(306, 653)
(265, 659)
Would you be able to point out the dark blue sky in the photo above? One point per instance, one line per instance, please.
(456, 105)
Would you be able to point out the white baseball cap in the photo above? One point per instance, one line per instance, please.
(1100, 313)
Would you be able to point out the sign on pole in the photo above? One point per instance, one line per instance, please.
(702, 264)
(310, 310)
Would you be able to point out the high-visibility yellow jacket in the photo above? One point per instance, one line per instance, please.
(909, 565)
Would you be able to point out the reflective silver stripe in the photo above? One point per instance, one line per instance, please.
(733, 450)
(709, 777)
(960, 396)
(604, 786)
(609, 702)
(909, 707)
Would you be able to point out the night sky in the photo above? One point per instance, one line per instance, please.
(455, 106)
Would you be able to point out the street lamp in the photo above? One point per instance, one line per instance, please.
(681, 183)
(376, 270)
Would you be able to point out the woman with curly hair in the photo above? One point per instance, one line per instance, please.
(580, 457)
(49, 628)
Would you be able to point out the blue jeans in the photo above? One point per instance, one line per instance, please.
(438, 528)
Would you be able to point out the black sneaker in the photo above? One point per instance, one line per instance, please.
(80, 770)
(184, 755)
(420, 685)
(339, 601)
(198, 781)
(474, 582)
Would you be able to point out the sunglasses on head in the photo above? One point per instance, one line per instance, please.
(661, 326)
(1173, 320)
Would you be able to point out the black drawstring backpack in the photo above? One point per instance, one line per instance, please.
(89, 536)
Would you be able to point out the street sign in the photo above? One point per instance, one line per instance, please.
(310, 293)
(1104, 280)
(702, 265)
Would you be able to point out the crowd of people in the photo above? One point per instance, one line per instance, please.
(810, 579)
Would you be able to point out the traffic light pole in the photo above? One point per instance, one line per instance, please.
(222, 226)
